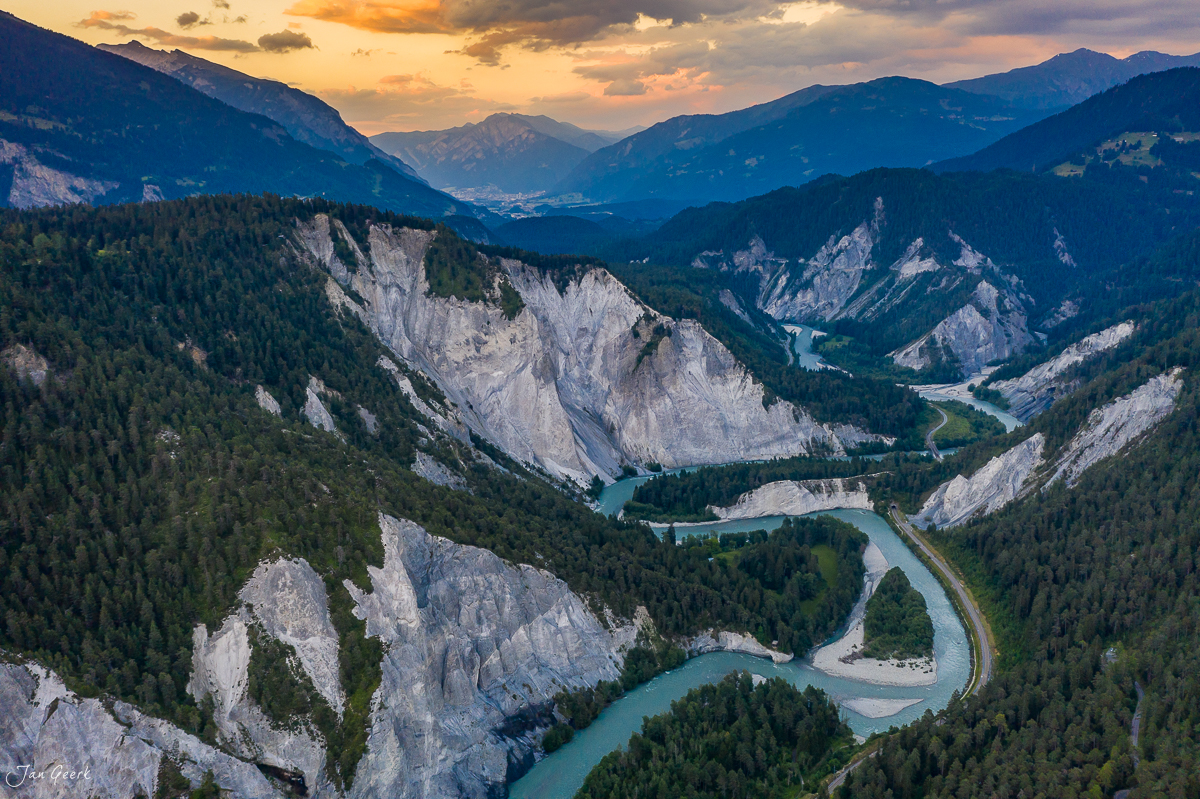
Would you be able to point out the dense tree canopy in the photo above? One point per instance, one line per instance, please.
(733, 739)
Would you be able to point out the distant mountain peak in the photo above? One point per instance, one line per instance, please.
(1070, 78)
(305, 117)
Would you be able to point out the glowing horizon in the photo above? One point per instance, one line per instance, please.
(432, 64)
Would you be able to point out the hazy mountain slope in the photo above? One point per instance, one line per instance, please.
(886, 122)
(1070, 78)
(303, 116)
(505, 151)
(590, 140)
(606, 174)
(80, 124)
(1158, 101)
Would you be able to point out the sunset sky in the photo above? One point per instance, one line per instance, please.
(608, 64)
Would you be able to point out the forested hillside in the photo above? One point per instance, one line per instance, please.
(1053, 247)
(1159, 101)
(1091, 589)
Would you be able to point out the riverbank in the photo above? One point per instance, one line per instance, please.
(868, 708)
(843, 658)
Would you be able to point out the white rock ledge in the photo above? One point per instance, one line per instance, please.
(734, 642)
(796, 498)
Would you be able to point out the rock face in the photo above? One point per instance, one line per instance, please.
(266, 401)
(25, 364)
(471, 643)
(991, 327)
(1110, 428)
(286, 600)
(828, 281)
(51, 730)
(35, 185)
(436, 472)
(997, 483)
(1037, 389)
(573, 383)
(314, 410)
(795, 498)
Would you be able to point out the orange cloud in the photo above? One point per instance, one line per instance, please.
(390, 16)
(104, 20)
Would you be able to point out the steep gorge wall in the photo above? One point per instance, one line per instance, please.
(573, 382)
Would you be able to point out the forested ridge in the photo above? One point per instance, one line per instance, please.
(731, 739)
(141, 483)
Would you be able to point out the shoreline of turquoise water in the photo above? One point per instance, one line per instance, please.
(559, 775)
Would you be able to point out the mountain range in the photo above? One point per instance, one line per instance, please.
(788, 141)
(1070, 78)
(306, 118)
(84, 125)
(512, 152)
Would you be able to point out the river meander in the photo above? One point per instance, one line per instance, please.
(560, 775)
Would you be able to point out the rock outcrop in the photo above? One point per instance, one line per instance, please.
(1037, 389)
(314, 410)
(991, 327)
(25, 364)
(1110, 428)
(286, 600)
(733, 642)
(437, 472)
(577, 382)
(1000, 481)
(797, 497)
(35, 185)
(83, 749)
(843, 280)
(267, 402)
(476, 649)
(827, 282)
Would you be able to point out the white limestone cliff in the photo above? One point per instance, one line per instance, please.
(471, 643)
(1110, 428)
(288, 598)
(991, 327)
(828, 280)
(797, 497)
(221, 668)
(267, 402)
(566, 384)
(1037, 389)
(314, 410)
(113, 754)
(35, 185)
(997, 483)
(843, 281)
